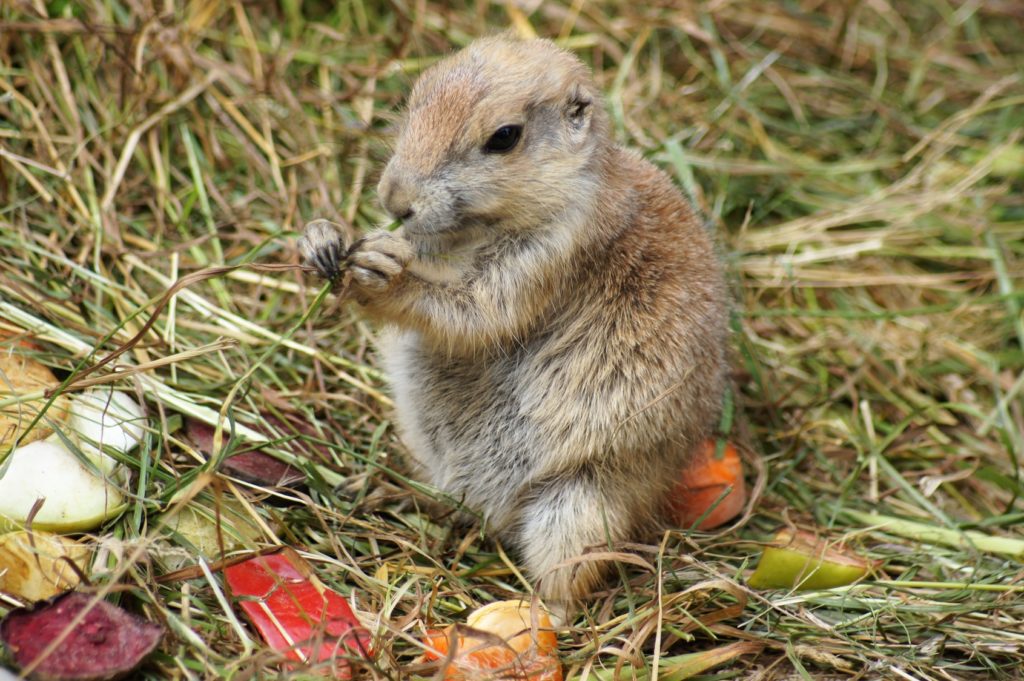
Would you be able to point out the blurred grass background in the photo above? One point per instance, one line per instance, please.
(861, 163)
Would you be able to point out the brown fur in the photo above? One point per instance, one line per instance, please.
(555, 316)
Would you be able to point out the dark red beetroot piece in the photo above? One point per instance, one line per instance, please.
(262, 469)
(252, 466)
(296, 613)
(108, 643)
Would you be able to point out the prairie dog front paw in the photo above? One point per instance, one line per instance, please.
(377, 261)
(323, 246)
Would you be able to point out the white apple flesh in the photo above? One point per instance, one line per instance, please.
(106, 420)
(74, 498)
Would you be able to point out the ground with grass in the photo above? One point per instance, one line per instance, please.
(861, 163)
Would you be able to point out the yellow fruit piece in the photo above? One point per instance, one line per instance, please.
(196, 524)
(22, 377)
(512, 621)
(504, 648)
(35, 565)
(803, 561)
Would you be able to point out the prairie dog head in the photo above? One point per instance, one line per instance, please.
(502, 135)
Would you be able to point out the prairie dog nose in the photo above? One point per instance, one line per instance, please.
(397, 193)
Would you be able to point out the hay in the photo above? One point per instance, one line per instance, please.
(861, 162)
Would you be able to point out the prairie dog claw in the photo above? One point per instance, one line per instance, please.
(323, 246)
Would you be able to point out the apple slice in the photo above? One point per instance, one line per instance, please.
(498, 643)
(104, 420)
(22, 382)
(196, 526)
(803, 561)
(38, 565)
(74, 498)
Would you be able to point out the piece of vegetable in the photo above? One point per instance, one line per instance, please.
(800, 560)
(38, 565)
(512, 621)
(296, 613)
(197, 525)
(106, 643)
(703, 482)
(262, 469)
(252, 466)
(498, 642)
(106, 419)
(22, 384)
(10, 338)
(74, 498)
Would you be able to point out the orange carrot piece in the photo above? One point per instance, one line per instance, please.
(704, 480)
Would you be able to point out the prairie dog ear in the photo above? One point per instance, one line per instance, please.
(579, 110)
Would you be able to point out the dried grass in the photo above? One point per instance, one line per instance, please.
(862, 162)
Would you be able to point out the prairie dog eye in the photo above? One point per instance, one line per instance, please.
(504, 139)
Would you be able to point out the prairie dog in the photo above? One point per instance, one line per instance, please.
(555, 316)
